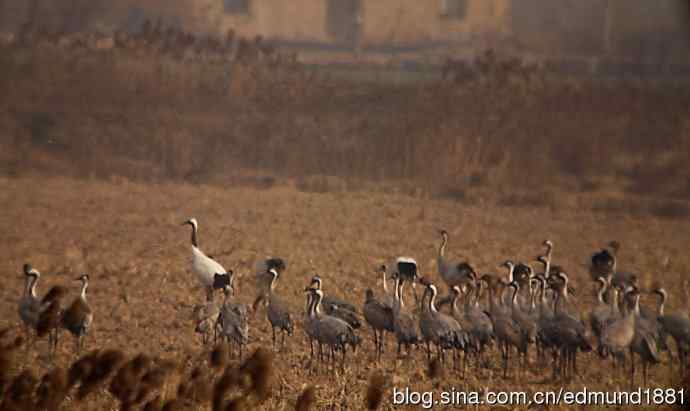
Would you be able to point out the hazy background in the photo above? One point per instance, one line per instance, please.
(531, 102)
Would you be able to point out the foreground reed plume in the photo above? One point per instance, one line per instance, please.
(8, 360)
(81, 368)
(51, 316)
(103, 366)
(306, 399)
(260, 368)
(52, 390)
(435, 370)
(375, 391)
(139, 379)
(21, 389)
(219, 356)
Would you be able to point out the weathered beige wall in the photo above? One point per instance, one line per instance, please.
(391, 22)
(398, 22)
(299, 20)
(649, 29)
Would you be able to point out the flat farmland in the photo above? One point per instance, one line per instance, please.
(127, 236)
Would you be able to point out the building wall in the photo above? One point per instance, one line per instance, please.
(378, 22)
(410, 22)
(644, 30)
(559, 26)
(295, 20)
(641, 29)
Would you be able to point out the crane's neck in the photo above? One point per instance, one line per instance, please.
(531, 292)
(454, 302)
(542, 297)
(558, 302)
(84, 286)
(602, 290)
(492, 303)
(511, 270)
(272, 286)
(432, 300)
(399, 286)
(513, 299)
(547, 269)
(195, 239)
(442, 248)
(532, 298)
(564, 291)
(30, 289)
(385, 283)
(468, 298)
(309, 305)
(312, 305)
(478, 294)
(636, 305)
(614, 302)
(662, 303)
(317, 303)
(504, 292)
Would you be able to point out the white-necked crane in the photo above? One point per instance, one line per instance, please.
(212, 276)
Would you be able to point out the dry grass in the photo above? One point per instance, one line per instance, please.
(127, 236)
(511, 132)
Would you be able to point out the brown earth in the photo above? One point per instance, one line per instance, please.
(128, 237)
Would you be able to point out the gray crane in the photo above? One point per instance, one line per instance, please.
(527, 323)
(205, 320)
(337, 307)
(277, 312)
(617, 336)
(263, 278)
(441, 329)
(310, 320)
(330, 330)
(388, 298)
(644, 343)
(677, 325)
(408, 272)
(452, 273)
(603, 313)
(561, 285)
(29, 304)
(78, 317)
(603, 263)
(379, 316)
(475, 320)
(508, 334)
(563, 332)
(547, 256)
(233, 320)
(404, 323)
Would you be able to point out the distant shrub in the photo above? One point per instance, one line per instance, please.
(670, 209)
(321, 184)
(619, 205)
(542, 198)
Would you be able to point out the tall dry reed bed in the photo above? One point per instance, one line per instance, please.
(508, 133)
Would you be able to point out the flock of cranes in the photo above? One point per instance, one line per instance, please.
(46, 316)
(516, 312)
